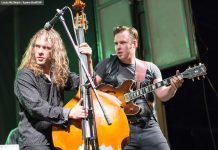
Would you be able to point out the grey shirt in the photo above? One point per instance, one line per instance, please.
(41, 105)
(125, 72)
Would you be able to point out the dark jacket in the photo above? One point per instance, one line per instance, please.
(41, 105)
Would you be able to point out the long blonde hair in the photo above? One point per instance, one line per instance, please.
(59, 62)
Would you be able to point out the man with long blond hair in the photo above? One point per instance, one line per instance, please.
(42, 77)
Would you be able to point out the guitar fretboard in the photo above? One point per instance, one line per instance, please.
(140, 92)
(190, 73)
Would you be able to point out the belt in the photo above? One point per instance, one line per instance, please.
(139, 121)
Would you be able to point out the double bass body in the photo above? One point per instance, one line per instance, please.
(111, 137)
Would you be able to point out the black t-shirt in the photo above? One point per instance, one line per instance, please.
(126, 72)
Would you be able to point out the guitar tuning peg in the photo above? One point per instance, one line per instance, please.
(198, 78)
(193, 79)
(204, 77)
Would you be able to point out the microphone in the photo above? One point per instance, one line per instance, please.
(48, 25)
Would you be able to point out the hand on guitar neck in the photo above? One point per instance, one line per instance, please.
(166, 92)
(166, 87)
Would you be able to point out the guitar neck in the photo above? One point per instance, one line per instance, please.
(140, 92)
(189, 73)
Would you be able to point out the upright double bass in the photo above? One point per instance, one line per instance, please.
(95, 132)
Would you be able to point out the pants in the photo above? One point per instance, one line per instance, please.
(148, 137)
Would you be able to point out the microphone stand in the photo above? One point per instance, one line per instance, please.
(89, 129)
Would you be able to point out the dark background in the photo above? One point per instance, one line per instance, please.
(191, 115)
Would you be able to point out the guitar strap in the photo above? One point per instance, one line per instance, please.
(140, 72)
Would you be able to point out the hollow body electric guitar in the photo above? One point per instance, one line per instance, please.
(126, 95)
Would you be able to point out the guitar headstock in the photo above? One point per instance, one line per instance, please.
(195, 71)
